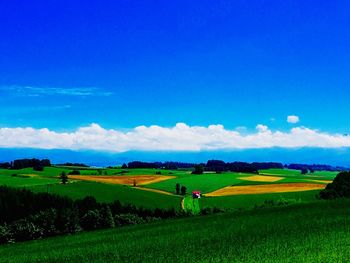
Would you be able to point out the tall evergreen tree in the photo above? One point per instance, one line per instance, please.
(64, 177)
(177, 188)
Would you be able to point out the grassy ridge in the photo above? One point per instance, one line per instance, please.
(315, 232)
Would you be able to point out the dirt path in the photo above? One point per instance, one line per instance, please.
(321, 181)
(153, 190)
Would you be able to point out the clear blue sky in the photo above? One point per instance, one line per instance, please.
(127, 63)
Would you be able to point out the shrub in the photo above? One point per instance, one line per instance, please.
(91, 220)
(106, 217)
(24, 229)
(5, 235)
(128, 219)
(74, 172)
(67, 221)
(86, 204)
(46, 220)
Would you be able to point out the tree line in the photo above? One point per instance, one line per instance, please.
(314, 167)
(242, 167)
(26, 215)
(158, 165)
(211, 165)
(34, 163)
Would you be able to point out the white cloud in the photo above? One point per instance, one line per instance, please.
(262, 128)
(181, 137)
(45, 91)
(293, 119)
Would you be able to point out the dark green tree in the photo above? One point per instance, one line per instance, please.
(183, 190)
(198, 169)
(304, 171)
(340, 187)
(177, 188)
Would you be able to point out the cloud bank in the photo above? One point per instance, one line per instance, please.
(181, 137)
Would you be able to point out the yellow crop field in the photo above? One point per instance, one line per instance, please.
(261, 178)
(265, 189)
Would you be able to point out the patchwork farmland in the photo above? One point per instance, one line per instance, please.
(155, 188)
(262, 206)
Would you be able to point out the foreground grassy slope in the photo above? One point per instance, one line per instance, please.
(315, 232)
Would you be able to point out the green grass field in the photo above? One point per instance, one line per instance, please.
(314, 232)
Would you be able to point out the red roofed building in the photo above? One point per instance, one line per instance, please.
(196, 194)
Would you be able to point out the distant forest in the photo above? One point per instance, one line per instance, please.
(221, 166)
(210, 166)
(36, 164)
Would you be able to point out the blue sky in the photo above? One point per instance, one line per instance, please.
(122, 64)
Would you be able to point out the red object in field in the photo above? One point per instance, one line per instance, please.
(196, 194)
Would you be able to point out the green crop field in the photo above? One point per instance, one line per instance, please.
(325, 175)
(315, 232)
(203, 182)
(111, 192)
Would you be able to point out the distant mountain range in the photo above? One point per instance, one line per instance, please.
(338, 156)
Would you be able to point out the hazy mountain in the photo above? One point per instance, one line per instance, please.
(302, 155)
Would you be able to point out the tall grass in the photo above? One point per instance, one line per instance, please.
(315, 232)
